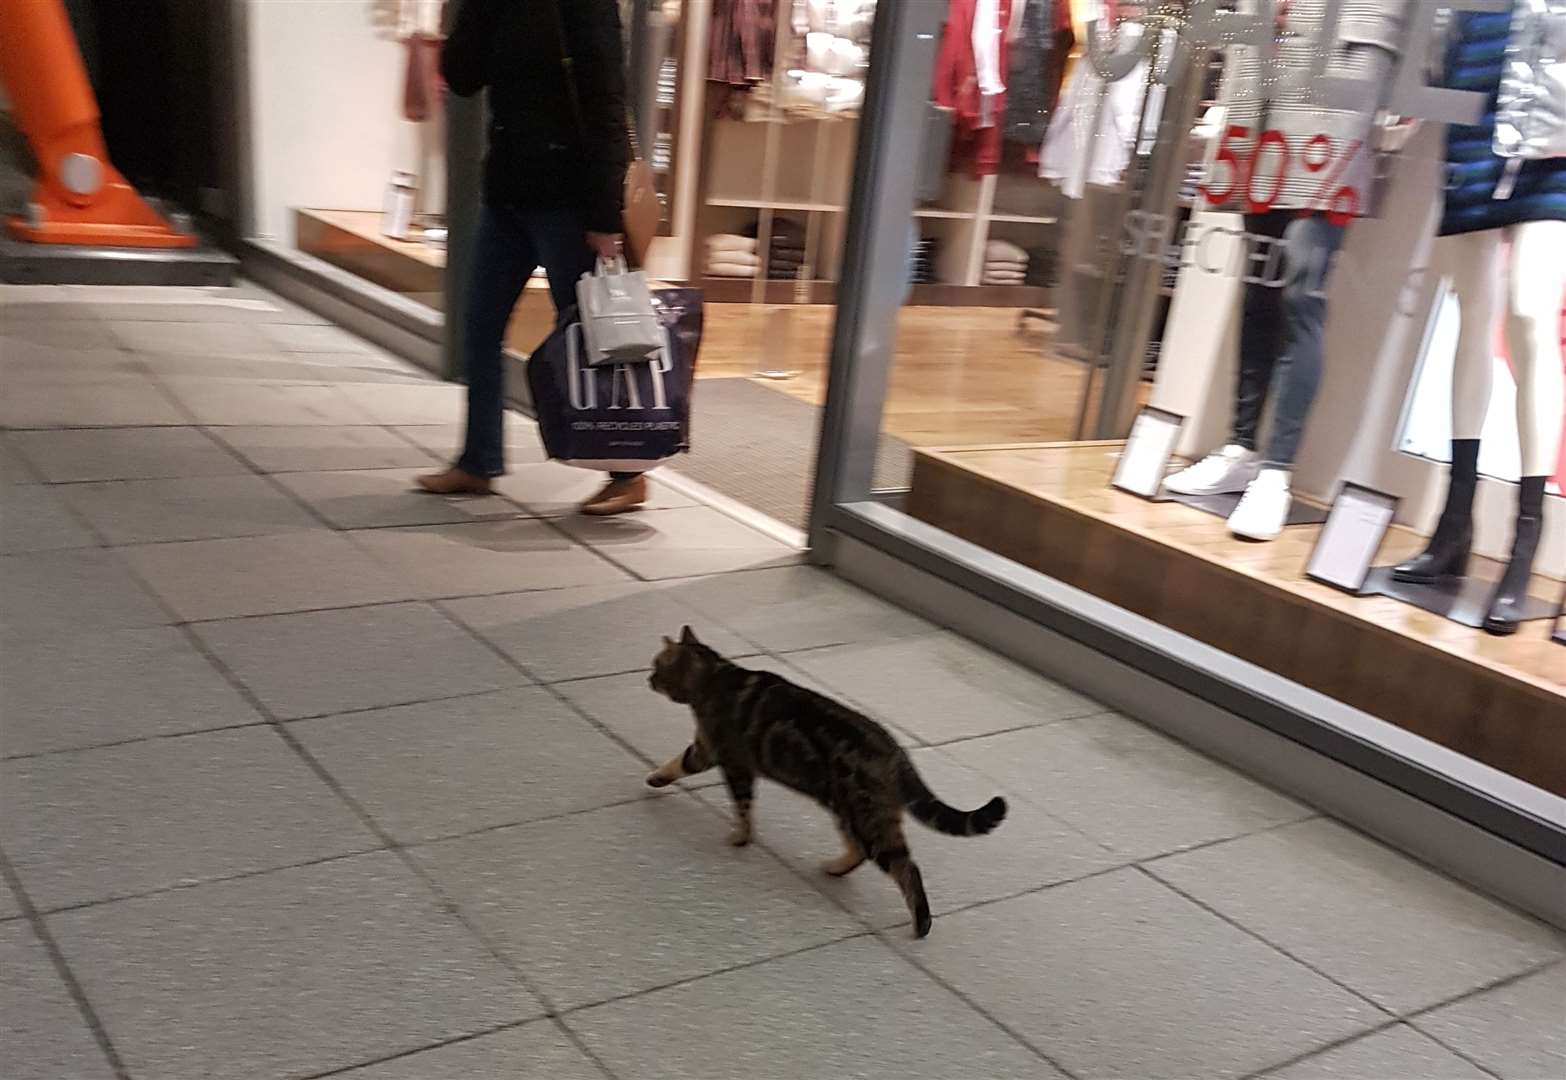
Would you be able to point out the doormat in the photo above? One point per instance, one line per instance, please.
(757, 445)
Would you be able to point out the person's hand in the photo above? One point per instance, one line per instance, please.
(605, 245)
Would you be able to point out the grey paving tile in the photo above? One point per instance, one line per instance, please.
(1517, 1030)
(1117, 976)
(278, 368)
(34, 517)
(625, 899)
(799, 607)
(220, 579)
(103, 401)
(120, 820)
(537, 1049)
(10, 908)
(304, 338)
(42, 1033)
(485, 557)
(581, 632)
(446, 767)
(64, 593)
(285, 974)
(652, 724)
(73, 333)
(125, 454)
(680, 543)
(14, 468)
(851, 1009)
(360, 658)
(376, 498)
(1028, 851)
(191, 338)
(41, 366)
(1126, 785)
(109, 687)
(941, 687)
(1396, 931)
(311, 449)
(410, 404)
(444, 441)
(550, 489)
(189, 508)
(214, 306)
(252, 403)
(1393, 1053)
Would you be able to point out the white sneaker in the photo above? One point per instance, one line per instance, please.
(1219, 473)
(1265, 507)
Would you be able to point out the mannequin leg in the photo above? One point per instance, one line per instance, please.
(1535, 287)
(1535, 291)
(1476, 263)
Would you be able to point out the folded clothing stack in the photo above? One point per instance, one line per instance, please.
(1004, 264)
(921, 270)
(785, 249)
(732, 256)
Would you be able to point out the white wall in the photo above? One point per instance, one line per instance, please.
(325, 97)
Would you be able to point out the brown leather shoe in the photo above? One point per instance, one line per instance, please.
(617, 497)
(455, 481)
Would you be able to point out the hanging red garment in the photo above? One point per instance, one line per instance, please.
(975, 150)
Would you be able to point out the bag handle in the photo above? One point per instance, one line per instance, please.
(568, 69)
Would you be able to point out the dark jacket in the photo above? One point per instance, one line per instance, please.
(541, 155)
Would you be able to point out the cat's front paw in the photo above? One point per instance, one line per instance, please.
(657, 779)
(739, 837)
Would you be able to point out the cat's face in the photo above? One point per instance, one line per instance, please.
(677, 668)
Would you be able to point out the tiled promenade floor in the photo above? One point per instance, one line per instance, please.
(306, 775)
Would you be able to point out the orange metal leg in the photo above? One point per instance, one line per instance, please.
(80, 198)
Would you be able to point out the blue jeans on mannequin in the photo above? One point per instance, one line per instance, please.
(510, 244)
(1281, 331)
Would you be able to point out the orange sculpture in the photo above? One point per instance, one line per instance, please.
(80, 198)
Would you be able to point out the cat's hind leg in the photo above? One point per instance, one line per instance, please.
(851, 859)
(891, 855)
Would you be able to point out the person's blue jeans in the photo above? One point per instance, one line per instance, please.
(510, 244)
(1281, 331)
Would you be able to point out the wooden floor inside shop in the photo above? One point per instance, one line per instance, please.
(1050, 507)
(962, 374)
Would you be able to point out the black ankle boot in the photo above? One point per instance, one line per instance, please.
(1447, 553)
(1512, 593)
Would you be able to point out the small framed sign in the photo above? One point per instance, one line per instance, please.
(1145, 458)
(1348, 542)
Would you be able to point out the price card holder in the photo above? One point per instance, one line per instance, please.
(1348, 542)
(1145, 459)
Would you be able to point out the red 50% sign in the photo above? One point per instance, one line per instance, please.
(1338, 200)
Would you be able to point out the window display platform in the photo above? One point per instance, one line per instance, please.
(1501, 701)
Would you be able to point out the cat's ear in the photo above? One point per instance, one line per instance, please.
(688, 636)
(668, 642)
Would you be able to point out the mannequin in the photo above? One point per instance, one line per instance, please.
(1503, 234)
(1292, 243)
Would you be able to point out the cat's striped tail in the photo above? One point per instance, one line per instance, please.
(923, 804)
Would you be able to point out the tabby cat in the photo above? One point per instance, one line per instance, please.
(756, 723)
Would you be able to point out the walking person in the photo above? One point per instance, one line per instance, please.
(554, 189)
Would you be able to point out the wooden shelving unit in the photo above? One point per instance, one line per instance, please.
(776, 165)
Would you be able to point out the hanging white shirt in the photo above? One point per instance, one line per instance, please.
(1074, 153)
(987, 31)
